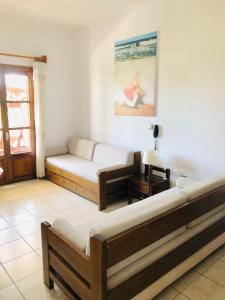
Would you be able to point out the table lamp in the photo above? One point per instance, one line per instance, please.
(150, 158)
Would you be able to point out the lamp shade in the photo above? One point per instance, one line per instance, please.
(151, 157)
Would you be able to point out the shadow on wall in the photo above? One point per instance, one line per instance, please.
(183, 167)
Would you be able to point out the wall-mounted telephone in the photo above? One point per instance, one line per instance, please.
(155, 134)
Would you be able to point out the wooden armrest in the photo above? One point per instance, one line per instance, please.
(110, 168)
(113, 174)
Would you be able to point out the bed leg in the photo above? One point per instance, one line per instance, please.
(102, 191)
(44, 234)
(101, 205)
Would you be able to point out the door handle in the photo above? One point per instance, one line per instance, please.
(7, 136)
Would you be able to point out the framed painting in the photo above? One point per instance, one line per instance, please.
(135, 75)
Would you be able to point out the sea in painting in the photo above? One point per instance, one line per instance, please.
(135, 72)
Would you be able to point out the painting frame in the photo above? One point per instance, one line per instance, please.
(135, 75)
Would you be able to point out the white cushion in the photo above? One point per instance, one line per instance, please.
(108, 155)
(205, 216)
(134, 214)
(71, 233)
(200, 188)
(82, 148)
(143, 262)
(84, 168)
(56, 151)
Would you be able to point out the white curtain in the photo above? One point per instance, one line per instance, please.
(39, 101)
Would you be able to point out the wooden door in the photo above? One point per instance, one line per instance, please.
(17, 132)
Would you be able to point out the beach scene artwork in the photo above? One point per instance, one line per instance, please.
(135, 73)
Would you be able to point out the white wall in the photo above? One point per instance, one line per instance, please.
(191, 87)
(18, 36)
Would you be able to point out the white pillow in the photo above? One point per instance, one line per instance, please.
(82, 148)
(56, 151)
(108, 155)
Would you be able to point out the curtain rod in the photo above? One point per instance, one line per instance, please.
(43, 58)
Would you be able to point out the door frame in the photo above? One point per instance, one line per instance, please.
(16, 160)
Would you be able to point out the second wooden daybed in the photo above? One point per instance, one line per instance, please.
(141, 248)
(96, 171)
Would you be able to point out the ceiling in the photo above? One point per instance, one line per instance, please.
(66, 12)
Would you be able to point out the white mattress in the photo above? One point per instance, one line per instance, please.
(137, 265)
(75, 165)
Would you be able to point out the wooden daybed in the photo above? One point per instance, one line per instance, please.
(98, 172)
(198, 213)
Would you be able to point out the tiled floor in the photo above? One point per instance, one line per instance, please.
(23, 206)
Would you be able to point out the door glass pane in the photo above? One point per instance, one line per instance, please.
(1, 144)
(0, 117)
(18, 114)
(20, 141)
(16, 87)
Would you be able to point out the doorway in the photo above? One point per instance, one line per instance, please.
(17, 129)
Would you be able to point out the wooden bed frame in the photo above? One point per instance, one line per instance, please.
(85, 277)
(106, 190)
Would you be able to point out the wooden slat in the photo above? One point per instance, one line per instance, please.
(143, 279)
(137, 163)
(113, 174)
(72, 177)
(144, 234)
(98, 269)
(206, 203)
(69, 276)
(115, 186)
(44, 235)
(64, 287)
(74, 256)
(150, 231)
(72, 186)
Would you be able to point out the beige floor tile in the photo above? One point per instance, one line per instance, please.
(220, 252)
(10, 293)
(19, 218)
(3, 224)
(39, 252)
(74, 212)
(10, 210)
(14, 250)
(4, 278)
(33, 287)
(8, 235)
(217, 272)
(181, 297)
(34, 240)
(42, 211)
(168, 294)
(50, 218)
(57, 296)
(28, 228)
(185, 280)
(204, 289)
(222, 258)
(24, 266)
(205, 264)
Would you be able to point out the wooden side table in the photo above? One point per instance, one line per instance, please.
(145, 185)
